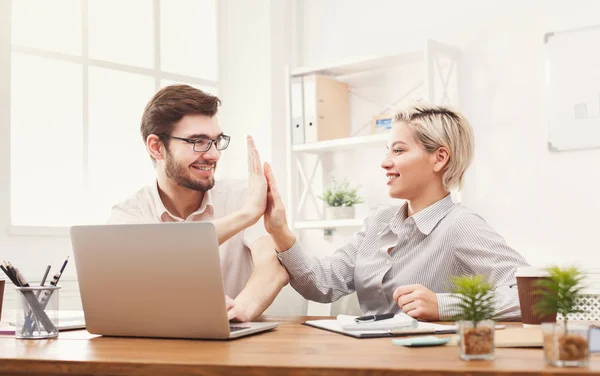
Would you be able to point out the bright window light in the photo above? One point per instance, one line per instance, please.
(77, 102)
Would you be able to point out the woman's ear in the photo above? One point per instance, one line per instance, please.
(441, 158)
(155, 147)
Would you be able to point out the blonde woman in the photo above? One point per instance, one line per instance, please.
(404, 256)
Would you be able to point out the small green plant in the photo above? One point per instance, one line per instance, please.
(475, 298)
(341, 194)
(559, 293)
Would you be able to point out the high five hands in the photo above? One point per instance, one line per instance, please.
(264, 199)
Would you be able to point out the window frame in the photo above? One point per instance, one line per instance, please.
(86, 62)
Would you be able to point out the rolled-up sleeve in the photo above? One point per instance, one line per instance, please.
(481, 250)
(323, 279)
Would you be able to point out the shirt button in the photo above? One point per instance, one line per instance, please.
(387, 262)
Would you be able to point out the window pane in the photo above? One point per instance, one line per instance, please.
(188, 37)
(118, 162)
(206, 89)
(46, 162)
(122, 31)
(49, 25)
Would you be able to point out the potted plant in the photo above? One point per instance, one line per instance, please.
(565, 342)
(475, 324)
(340, 200)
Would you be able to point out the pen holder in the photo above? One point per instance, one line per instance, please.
(37, 312)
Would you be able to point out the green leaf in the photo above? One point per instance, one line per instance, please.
(559, 292)
(341, 194)
(476, 300)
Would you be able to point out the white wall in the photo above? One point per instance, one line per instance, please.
(545, 204)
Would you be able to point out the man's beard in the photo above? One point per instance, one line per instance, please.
(181, 176)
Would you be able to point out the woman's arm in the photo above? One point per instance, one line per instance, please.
(322, 279)
(481, 250)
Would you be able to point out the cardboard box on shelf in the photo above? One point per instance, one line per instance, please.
(326, 109)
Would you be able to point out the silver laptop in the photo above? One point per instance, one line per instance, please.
(154, 280)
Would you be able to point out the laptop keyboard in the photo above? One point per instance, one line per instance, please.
(236, 328)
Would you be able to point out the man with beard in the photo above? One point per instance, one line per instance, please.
(180, 128)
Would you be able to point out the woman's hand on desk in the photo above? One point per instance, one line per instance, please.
(418, 302)
(275, 218)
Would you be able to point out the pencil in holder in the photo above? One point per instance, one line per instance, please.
(37, 318)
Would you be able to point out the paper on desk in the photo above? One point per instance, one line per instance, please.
(399, 321)
(333, 325)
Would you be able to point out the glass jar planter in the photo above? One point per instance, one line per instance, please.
(566, 346)
(476, 342)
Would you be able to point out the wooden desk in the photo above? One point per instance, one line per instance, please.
(291, 349)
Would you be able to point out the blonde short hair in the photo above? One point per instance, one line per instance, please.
(437, 126)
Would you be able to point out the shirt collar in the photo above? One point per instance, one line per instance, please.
(426, 219)
(206, 206)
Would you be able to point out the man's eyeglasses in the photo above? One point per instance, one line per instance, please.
(204, 144)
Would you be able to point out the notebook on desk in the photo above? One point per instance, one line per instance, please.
(394, 330)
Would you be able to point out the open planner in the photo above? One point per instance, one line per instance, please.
(400, 325)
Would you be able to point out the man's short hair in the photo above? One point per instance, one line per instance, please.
(170, 104)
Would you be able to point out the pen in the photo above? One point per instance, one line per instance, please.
(9, 275)
(371, 318)
(64, 264)
(45, 276)
(46, 297)
(37, 293)
(20, 278)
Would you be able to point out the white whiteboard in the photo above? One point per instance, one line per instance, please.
(573, 88)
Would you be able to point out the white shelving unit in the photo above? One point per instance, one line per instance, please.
(361, 64)
(439, 64)
(341, 144)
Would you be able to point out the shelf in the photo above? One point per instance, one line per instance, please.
(342, 144)
(356, 222)
(360, 65)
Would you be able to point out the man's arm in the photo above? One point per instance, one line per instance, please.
(226, 226)
(266, 280)
(233, 223)
(256, 200)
